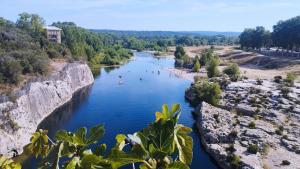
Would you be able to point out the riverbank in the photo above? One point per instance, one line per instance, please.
(255, 125)
(22, 113)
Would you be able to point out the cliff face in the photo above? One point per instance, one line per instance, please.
(21, 114)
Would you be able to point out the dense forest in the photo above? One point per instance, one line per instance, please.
(24, 49)
(285, 35)
(160, 40)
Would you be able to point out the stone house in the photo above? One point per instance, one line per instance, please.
(53, 33)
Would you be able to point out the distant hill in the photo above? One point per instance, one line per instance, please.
(165, 33)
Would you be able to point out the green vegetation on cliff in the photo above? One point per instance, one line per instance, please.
(25, 50)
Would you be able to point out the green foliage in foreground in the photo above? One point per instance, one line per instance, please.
(151, 148)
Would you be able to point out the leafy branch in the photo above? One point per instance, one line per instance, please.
(151, 148)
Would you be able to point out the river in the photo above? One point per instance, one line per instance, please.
(130, 106)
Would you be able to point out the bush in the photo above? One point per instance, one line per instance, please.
(285, 91)
(252, 148)
(233, 134)
(231, 148)
(278, 79)
(285, 162)
(266, 149)
(234, 160)
(197, 65)
(290, 79)
(10, 70)
(233, 71)
(252, 125)
(259, 81)
(206, 91)
(212, 67)
(53, 53)
(279, 131)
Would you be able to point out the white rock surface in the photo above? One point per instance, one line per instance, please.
(35, 101)
(217, 125)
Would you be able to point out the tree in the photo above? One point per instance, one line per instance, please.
(32, 23)
(212, 67)
(207, 55)
(233, 71)
(255, 38)
(286, 34)
(206, 91)
(179, 52)
(196, 64)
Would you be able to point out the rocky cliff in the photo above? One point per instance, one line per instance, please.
(22, 111)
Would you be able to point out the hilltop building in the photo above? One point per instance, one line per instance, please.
(53, 33)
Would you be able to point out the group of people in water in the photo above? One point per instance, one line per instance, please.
(121, 82)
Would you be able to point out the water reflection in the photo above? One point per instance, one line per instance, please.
(61, 115)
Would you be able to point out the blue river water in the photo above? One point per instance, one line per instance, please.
(128, 106)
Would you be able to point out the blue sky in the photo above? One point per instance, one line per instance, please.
(174, 15)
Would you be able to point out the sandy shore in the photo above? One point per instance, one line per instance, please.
(187, 74)
(251, 73)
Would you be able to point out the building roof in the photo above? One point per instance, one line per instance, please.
(52, 28)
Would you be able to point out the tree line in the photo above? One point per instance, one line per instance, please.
(24, 48)
(285, 35)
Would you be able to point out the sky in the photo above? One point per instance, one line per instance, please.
(171, 15)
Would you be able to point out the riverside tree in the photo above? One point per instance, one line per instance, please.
(164, 144)
(197, 65)
(212, 67)
(203, 90)
(179, 52)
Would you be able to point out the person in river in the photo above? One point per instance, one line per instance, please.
(141, 79)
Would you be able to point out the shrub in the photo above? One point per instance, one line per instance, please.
(278, 79)
(233, 134)
(212, 67)
(252, 148)
(10, 70)
(231, 148)
(266, 149)
(234, 160)
(233, 71)
(197, 65)
(285, 162)
(206, 91)
(252, 125)
(290, 79)
(285, 91)
(259, 81)
(279, 131)
(53, 53)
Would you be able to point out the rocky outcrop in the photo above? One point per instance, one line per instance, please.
(241, 141)
(21, 113)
